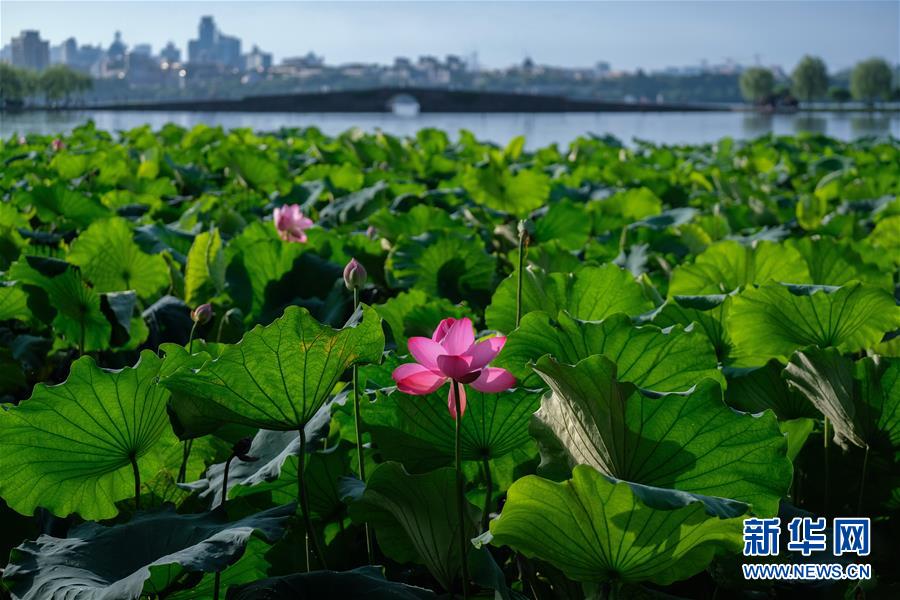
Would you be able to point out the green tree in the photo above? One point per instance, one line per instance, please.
(757, 84)
(59, 83)
(839, 94)
(16, 85)
(809, 79)
(871, 80)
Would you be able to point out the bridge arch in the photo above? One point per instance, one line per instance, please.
(403, 104)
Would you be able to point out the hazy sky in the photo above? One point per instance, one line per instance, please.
(649, 34)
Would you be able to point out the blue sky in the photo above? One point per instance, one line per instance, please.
(649, 34)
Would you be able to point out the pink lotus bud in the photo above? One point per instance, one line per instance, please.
(202, 314)
(57, 145)
(355, 275)
(22, 140)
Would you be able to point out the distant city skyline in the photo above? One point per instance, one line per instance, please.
(649, 35)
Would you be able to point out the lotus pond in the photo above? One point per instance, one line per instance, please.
(287, 365)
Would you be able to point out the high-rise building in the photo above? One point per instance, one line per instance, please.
(257, 60)
(29, 51)
(213, 47)
(170, 53)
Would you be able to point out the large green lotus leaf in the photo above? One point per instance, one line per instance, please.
(447, 264)
(774, 320)
(567, 223)
(516, 193)
(73, 443)
(419, 432)
(13, 302)
(420, 219)
(415, 518)
(861, 400)
(204, 274)
(687, 441)
(833, 262)
(258, 259)
(112, 261)
(79, 316)
(595, 530)
(728, 265)
(590, 293)
(195, 416)
(755, 389)
(279, 375)
(59, 201)
(707, 312)
(364, 582)
(135, 558)
(415, 313)
(669, 360)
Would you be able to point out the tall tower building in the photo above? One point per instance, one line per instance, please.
(29, 51)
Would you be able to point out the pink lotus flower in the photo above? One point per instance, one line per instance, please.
(57, 144)
(452, 354)
(290, 223)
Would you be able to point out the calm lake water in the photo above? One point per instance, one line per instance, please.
(539, 129)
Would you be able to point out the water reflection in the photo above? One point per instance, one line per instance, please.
(811, 124)
(755, 124)
(539, 129)
(877, 124)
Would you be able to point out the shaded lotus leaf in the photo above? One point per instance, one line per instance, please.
(708, 312)
(415, 313)
(687, 441)
(755, 389)
(596, 530)
(60, 294)
(364, 582)
(418, 431)
(861, 400)
(446, 264)
(662, 360)
(278, 376)
(415, 518)
(276, 453)
(142, 556)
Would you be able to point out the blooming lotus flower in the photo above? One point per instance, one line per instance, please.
(291, 223)
(453, 355)
(57, 144)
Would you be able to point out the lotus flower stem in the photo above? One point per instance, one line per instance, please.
(218, 577)
(359, 445)
(862, 481)
(826, 469)
(523, 237)
(460, 493)
(191, 338)
(185, 456)
(486, 513)
(137, 482)
(304, 506)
